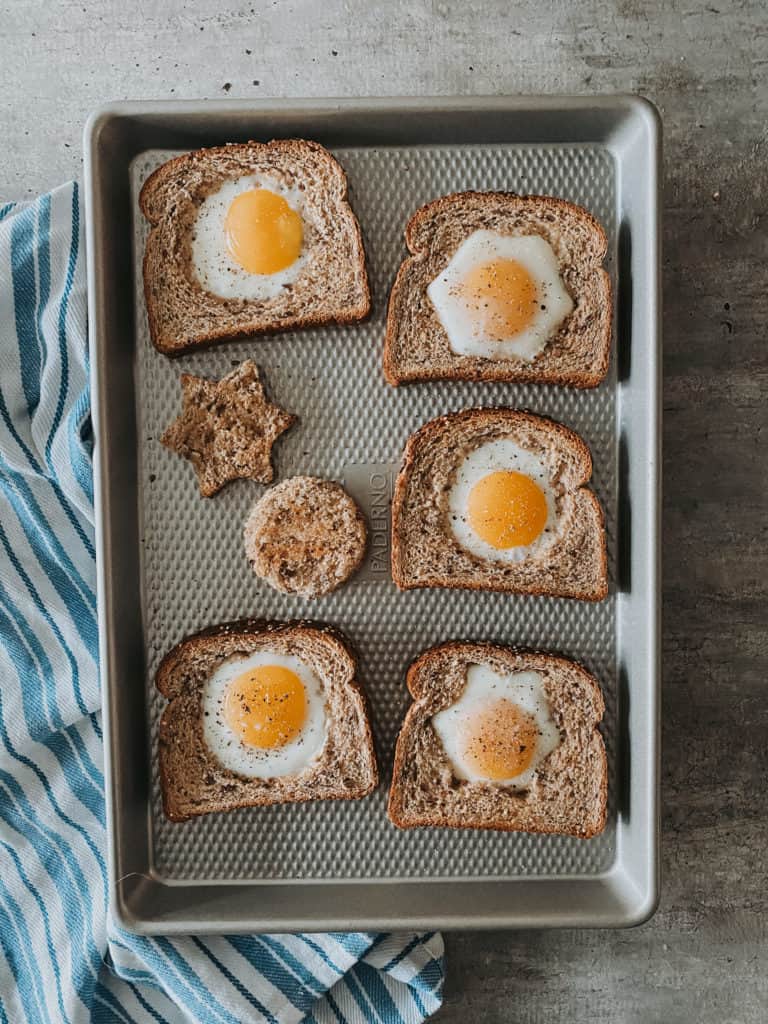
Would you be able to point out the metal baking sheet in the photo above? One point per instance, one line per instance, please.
(330, 864)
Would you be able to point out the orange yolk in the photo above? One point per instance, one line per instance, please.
(500, 741)
(266, 706)
(264, 234)
(507, 509)
(504, 295)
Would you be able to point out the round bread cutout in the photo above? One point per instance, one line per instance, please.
(305, 536)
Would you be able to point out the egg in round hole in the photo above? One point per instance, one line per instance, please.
(502, 504)
(501, 296)
(500, 730)
(248, 238)
(264, 714)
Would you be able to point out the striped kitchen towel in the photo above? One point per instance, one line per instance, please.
(63, 959)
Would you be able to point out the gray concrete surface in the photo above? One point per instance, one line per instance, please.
(702, 959)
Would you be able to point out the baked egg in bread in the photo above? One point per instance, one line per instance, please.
(501, 296)
(498, 499)
(247, 240)
(499, 730)
(264, 714)
(502, 503)
(500, 738)
(250, 238)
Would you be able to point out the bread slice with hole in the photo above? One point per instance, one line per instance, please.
(568, 791)
(332, 286)
(425, 552)
(194, 782)
(416, 346)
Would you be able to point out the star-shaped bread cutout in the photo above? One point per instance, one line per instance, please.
(226, 428)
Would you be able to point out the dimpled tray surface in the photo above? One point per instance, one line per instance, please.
(352, 428)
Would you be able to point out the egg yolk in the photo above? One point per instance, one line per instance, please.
(266, 706)
(507, 509)
(503, 294)
(500, 741)
(263, 233)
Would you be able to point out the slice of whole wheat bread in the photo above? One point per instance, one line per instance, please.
(194, 782)
(568, 792)
(424, 550)
(331, 288)
(416, 346)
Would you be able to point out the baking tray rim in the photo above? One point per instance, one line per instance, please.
(626, 900)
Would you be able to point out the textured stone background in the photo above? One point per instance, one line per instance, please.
(702, 959)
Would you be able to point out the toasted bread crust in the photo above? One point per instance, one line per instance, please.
(253, 792)
(234, 319)
(401, 511)
(553, 365)
(426, 704)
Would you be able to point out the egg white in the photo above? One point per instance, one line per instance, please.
(465, 332)
(253, 762)
(492, 457)
(483, 686)
(216, 271)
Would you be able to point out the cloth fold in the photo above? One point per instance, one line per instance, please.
(63, 958)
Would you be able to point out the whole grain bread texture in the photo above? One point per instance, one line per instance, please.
(425, 552)
(227, 428)
(305, 536)
(416, 346)
(568, 793)
(193, 781)
(331, 288)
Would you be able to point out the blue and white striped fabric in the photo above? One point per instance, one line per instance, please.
(62, 958)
